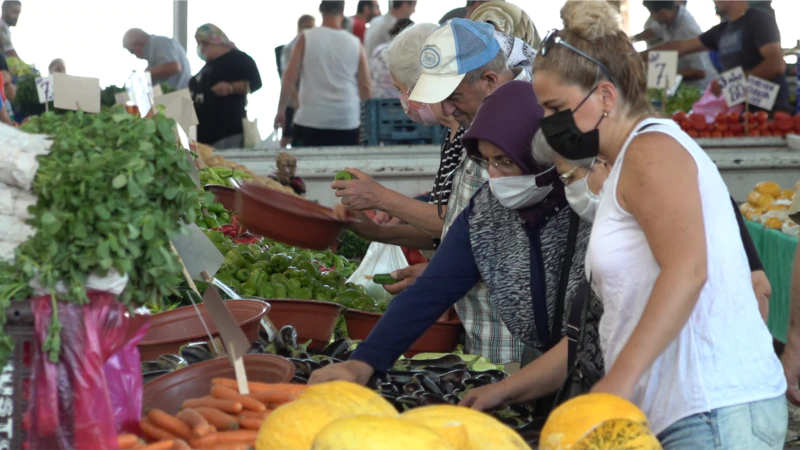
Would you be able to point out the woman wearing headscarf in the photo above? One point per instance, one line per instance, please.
(509, 19)
(221, 87)
(518, 234)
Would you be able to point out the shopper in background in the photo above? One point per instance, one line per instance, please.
(464, 12)
(381, 79)
(675, 23)
(4, 117)
(665, 255)
(57, 66)
(508, 19)
(305, 22)
(334, 78)
(221, 88)
(379, 27)
(8, 18)
(365, 11)
(749, 38)
(166, 59)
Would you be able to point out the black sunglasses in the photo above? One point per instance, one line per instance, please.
(552, 38)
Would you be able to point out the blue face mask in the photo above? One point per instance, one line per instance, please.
(200, 52)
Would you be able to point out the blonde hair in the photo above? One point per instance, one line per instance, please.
(593, 27)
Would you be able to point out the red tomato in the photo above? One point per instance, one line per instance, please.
(705, 134)
(754, 133)
(763, 127)
(679, 116)
(762, 116)
(784, 125)
(734, 117)
(728, 134)
(747, 116)
(721, 117)
(780, 115)
(767, 133)
(716, 134)
(686, 124)
(692, 133)
(723, 127)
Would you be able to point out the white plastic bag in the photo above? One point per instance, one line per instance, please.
(380, 259)
(251, 134)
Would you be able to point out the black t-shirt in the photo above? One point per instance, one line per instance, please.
(738, 42)
(221, 117)
(3, 63)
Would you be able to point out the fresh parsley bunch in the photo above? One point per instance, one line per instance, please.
(112, 192)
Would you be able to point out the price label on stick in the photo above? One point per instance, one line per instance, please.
(762, 93)
(662, 69)
(232, 335)
(76, 93)
(197, 252)
(734, 86)
(140, 90)
(44, 87)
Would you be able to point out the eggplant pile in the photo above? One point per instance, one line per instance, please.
(162, 366)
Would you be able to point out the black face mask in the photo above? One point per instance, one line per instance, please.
(567, 139)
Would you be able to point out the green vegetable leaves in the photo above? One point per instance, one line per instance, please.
(119, 181)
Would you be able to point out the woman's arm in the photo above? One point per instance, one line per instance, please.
(658, 186)
(290, 78)
(402, 235)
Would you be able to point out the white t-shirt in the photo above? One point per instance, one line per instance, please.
(5, 37)
(378, 32)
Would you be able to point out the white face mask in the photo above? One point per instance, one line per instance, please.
(582, 200)
(520, 191)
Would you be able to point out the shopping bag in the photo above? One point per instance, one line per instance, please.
(710, 105)
(380, 259)
(250, 131)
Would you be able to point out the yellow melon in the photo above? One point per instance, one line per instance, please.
(294, 425)
(773, 223)
(768, 187)
(752, 198)
(356, 399)
(379, 433)
(455, 433)
(786, 194)
(764, 200)
(575, 418)
(776, 207)
(483, 430)
(619, 434)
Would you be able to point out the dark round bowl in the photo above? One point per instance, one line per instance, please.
(312, 319)
(441, 337)
(171, 330)
(169, 391)
(287, 218)
(223, 194)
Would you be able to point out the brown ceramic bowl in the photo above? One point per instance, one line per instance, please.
(170, 330)
(441, 337)
(223, 194)
(287, 218)
(312, 319)
(169, 391)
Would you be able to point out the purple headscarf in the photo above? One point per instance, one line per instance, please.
(509, 118)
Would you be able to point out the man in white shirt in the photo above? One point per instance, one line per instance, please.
(166, 59)
(8, 18)
(379, 27)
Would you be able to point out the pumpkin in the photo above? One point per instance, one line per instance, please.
(619, 434)
(379, 433)
(764, 200)
(356, 399)
(752, 198)
(575, 418)
(787, 194)
(768, 187)
(294, 425)
(773, 223)
(483, 430)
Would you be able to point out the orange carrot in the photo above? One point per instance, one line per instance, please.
(228, 406)
(180, 444)
(250, 423)
(212, 428)
(170, 423)
(160, 445)
(155, 433)
(226, 447)
(127, 441)
(226, 437)
(226, 393)
(255, 386)
(139, 444)
(220, 420)
(255, 415)
(196, 421)
(279, 394)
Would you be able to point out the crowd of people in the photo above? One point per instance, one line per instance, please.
(577, 233)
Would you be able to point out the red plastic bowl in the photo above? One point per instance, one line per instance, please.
(287, 218)
(171, 330)
(223, 194)
(441, 337)
(169, 391)
(312, 319)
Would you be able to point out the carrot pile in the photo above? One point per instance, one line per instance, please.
(222, 420)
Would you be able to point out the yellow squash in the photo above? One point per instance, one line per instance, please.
(294, 425)
(356, 399)
(379, 433)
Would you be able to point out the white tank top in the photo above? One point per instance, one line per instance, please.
(328, 93)
(723, 356)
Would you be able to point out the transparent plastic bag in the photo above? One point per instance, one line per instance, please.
(380, 259)
(73, 404)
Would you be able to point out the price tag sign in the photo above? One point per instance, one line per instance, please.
(45, 89)
(140, 90)
(762, 92)
(76, 93)
(178, 105)
(122, 98)
(157, 92)
(197, 252)
(734, 86)
(662, 69)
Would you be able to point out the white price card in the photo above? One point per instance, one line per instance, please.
(662, 69)
(122, 98)
(140, 90)
(734, 86)
(178, 105)
(762, 92)
(76, 93)
(44, 87)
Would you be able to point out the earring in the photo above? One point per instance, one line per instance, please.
(605, 114)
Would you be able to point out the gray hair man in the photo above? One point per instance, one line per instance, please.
(166, 59)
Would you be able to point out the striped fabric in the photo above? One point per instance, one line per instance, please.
(452, 152)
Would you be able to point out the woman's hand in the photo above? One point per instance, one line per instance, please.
(223, 89)
(352, 370)
(360, 194)
(486, 398)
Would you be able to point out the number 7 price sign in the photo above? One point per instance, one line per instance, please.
(45, 90)
(662, 69)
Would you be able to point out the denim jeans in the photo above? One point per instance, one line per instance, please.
(759, 425)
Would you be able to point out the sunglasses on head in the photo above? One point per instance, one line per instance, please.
(552, 38)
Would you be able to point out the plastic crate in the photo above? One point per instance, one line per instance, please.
(383, 122)
(16, 377)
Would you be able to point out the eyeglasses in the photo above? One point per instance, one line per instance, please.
(566, 178)
(552, 38)
(503, 165)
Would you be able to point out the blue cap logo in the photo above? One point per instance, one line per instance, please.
(429, 58)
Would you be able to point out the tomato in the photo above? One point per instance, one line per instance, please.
(763, 127)
(780, 115)
(722, 117)
(692, 133)
(723, 127)
(728, 134)
(734, 117)
(762, 116)
(784, 125)
(747, 116)
(771, 126)
(754, 133)
(686, 124)
(716, 134)
(767, 133)
(679, 116)
(705, 134)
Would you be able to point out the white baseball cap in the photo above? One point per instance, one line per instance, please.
(454, 49)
